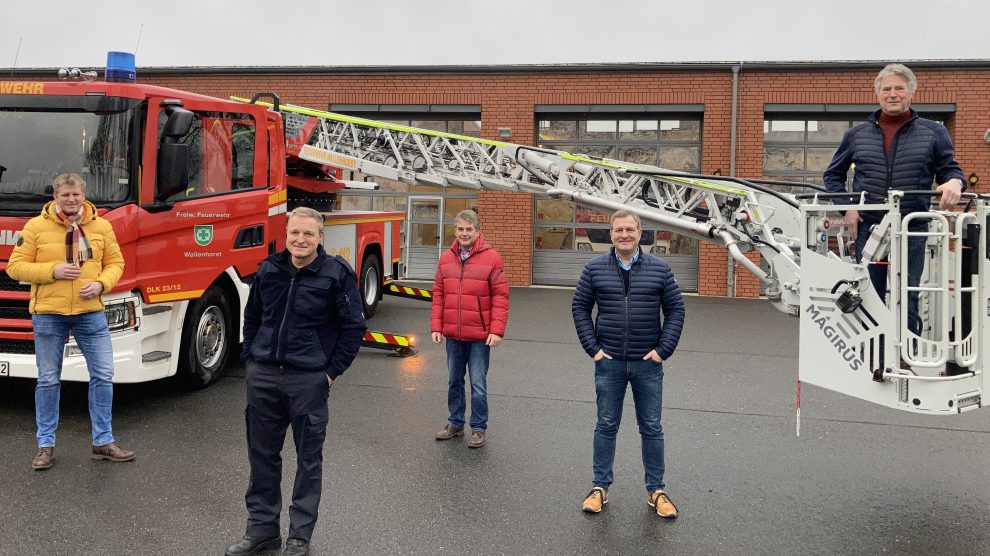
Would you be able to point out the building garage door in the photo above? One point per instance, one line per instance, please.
(564, 269)
(561, 251)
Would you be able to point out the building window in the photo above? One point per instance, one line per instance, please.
(470, 128)
(672, 143)
(800, 149)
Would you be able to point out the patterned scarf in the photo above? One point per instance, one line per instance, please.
(77, 248)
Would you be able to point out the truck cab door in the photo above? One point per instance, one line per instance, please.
(216, 218)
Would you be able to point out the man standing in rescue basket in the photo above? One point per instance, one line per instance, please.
(896, 149)
(471, 309)
(629, 343)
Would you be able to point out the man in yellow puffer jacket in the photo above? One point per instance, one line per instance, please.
(70, 257)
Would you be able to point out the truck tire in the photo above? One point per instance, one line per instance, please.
(206, 339)
(370, 284)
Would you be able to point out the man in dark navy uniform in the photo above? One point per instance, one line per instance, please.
(303, 325)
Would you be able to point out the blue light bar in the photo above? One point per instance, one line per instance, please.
(121, 67)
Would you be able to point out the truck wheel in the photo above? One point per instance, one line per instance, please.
(370, 284)
(205, 339)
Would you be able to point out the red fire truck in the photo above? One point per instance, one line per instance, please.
(197, 189)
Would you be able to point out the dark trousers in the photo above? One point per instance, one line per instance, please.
(277, 398)
(915, 267)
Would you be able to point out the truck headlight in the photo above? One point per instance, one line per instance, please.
(121, 316)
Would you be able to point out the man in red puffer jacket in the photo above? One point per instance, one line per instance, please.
(470, 309)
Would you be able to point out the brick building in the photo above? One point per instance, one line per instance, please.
(783, 119)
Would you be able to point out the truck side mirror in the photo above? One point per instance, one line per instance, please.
(173, 170)
(178, 124)
(173, 156)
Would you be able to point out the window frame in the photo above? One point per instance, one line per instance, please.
(235, 119)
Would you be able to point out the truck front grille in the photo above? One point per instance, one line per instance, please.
(21, 347)
(9, 284)
(10, 311)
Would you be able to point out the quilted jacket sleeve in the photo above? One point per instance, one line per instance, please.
(673, 317)
(113, 261)
(498, 285)
(23, 266)
(436, 309)
(838, 170)
(946, 167)
(581, 305)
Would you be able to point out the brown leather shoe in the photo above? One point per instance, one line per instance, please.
(477, 439)
(448, 432)
(112, 452)
(595, 501)
(44, 459)
(665, 508)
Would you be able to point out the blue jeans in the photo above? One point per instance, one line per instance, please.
(915, 267)
(93, 338)
(646, 379)
(473, 358)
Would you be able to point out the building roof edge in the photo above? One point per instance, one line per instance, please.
(821, 65)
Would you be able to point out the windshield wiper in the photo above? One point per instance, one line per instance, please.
(23, 195)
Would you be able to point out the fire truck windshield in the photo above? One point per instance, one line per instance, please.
(37, 145)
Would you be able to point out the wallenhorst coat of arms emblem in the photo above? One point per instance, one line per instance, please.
(203, 235)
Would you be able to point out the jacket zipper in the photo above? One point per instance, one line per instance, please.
(460, 291)
(72, 284)
(625, 337)
(280, 350)
(625, 301)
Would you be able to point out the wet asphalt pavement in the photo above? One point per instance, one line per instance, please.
(860, 479)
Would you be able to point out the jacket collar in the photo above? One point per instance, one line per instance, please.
(479, 245)
(283, 260)
(874, 117)
(89, 212)
(639, 257)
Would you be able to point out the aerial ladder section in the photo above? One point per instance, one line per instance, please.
(739, 214)
(851, 340)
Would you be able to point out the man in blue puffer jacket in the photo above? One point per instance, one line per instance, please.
(629, 343)
(896, 149)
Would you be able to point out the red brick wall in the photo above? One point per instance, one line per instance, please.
(507, 100)
(507, 222)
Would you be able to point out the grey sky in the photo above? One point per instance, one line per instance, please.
(428, 32)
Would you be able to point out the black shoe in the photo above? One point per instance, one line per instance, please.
(253, 545)
(296, 547)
